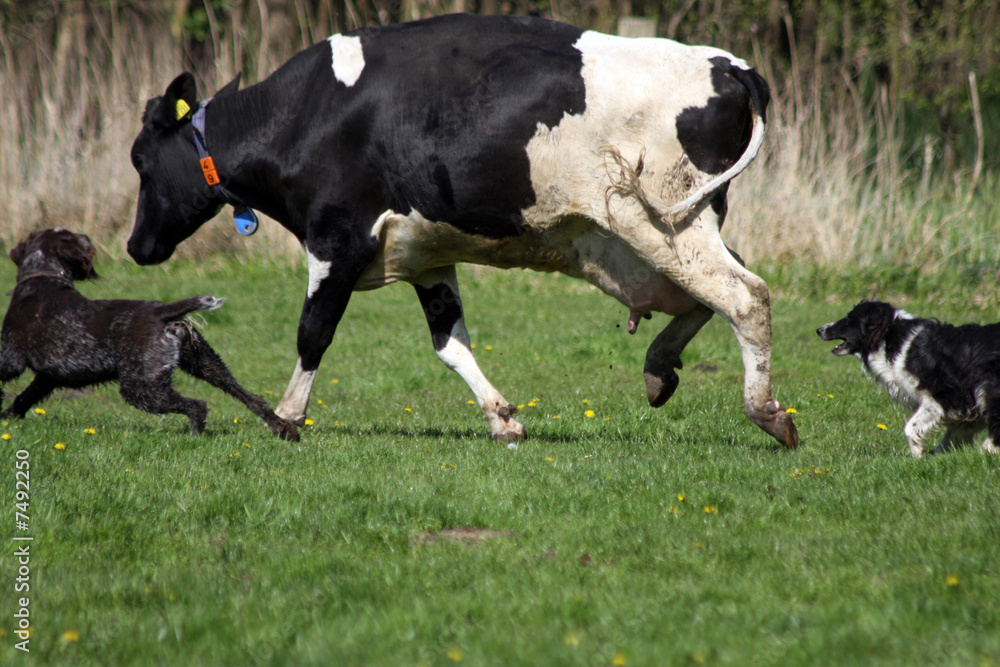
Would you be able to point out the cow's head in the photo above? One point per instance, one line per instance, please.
(174, 199)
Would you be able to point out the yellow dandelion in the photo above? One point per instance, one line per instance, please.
(473, 346)
(674, 510)
(90, 431)
(952, 580)
(549, 459)
(334, 381)
(586, 402)
(697, 545)
(680, 497)
(309, 422)
(5, 436)
(607, 419)
(571, 639)
(532, 404)
(555, 416)
(589, 413)
(70, 635)
(618, 659)
(881, 427)
(521, 407)
(408, 409)
(237, 420)
(711, 509)
(247, 445)
(60, 445)
(489, 347)
(234, 455)
(455, 654)
(39, 411)
(792, 411)
(471, 402)
(829, 395)
(128, 470)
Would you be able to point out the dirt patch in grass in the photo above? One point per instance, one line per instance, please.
(461, 535)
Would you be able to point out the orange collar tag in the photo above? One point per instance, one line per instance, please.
(208, 169)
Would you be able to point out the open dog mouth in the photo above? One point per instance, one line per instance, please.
(840, 350)
(825, 333)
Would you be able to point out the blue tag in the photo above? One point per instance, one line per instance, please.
(245, 220)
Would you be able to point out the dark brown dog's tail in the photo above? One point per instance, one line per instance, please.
(176, 310)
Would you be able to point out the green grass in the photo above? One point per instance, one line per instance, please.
(156, 547)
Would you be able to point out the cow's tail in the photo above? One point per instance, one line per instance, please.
(759, 97)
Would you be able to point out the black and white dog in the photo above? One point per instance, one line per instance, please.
(69, 340)
(949, 374)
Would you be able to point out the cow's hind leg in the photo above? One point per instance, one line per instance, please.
(664, 354)
(438, 294)
(663, 358)
(694, 257)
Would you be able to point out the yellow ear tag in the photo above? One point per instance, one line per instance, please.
(182, 109)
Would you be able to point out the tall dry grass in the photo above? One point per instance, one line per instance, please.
(64, 155)
(829, 188)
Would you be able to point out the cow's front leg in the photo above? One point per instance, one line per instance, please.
(438, 294)
(330, 286)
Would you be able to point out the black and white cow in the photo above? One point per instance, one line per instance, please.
(394, 153)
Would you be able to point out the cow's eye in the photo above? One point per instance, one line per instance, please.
(137, 161)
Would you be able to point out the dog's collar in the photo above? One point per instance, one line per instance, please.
(42, 274)
(243, 216)
(39, 274)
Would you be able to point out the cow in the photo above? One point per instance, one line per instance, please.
(395, 153)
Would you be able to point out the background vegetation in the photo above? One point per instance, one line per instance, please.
(878, 148)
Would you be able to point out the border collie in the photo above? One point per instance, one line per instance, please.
(949, 374)
(69, 340)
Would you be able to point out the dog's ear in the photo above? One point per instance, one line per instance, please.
(18, 253)
(24, 248)
(877, 324)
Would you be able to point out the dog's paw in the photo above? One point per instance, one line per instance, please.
(208, 302)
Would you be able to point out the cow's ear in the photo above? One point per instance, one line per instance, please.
(178, 103)
(230, 87)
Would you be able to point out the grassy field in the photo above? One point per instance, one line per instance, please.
(631, 537)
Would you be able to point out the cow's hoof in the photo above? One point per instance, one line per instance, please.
(285, 430)
(777, 423)
(659, 388)
(512, 435)
(507, 429)
(661, 380)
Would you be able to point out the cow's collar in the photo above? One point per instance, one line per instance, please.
(243, 216)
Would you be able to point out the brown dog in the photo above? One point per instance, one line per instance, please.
(69, 340)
